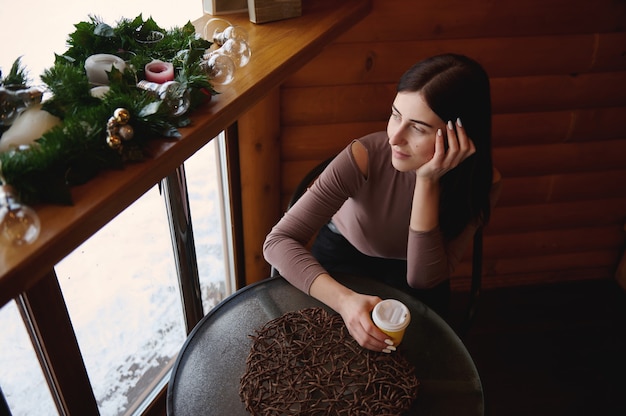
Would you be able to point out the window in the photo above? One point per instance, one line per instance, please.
(123, 298)
(120, 286)
(21, 378)
(121, 293)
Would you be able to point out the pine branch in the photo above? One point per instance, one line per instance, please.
(77, 150)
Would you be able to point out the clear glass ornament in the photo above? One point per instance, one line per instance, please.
(232, 32)
(19, 224)
(218, 67)
(231, 40)
(220, 30)
(238, 51)
(214, 28)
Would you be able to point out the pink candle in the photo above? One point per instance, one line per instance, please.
(159, 72)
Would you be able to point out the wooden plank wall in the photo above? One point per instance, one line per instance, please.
(558, 73)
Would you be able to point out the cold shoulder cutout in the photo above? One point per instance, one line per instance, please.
(360, 154)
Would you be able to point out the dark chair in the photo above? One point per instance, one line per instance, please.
(4, 406)
(476, 284)
(308, 179)
(477, 250)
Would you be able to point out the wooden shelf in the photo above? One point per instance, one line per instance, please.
(278, 50)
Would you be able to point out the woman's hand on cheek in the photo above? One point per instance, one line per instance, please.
(460, 147)
(355, 312)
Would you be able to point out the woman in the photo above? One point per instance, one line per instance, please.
(400, 205)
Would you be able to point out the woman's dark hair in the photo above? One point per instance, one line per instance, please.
(455, 86)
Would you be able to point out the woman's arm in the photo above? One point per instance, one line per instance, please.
(435, 260)
(354, 308)
(426, 254)
(285, 247)
(425, 208)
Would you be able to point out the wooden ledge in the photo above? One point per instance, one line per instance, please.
(278, 50)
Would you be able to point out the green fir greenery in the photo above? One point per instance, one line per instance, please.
(76, 150)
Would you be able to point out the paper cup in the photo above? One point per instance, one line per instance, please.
(392, 317)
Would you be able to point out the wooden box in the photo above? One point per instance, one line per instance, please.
(262, 11)
(219, 7)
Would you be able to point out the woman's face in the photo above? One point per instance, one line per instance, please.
(411, 130)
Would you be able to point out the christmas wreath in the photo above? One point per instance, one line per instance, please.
(80, 145)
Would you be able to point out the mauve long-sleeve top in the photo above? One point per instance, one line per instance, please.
(372, 213)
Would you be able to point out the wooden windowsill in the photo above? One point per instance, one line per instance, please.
(278, 50)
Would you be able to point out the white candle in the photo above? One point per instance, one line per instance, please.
(159, 71)
(28, 127)
(98, 65)
(100, 91)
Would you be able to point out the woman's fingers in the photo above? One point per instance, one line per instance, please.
(361, 333)
(453, 141)
(466, 145)
(460, 146)
(360, 326)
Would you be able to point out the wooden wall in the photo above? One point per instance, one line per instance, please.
(558, 73)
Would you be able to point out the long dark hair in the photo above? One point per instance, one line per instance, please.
(455, 86)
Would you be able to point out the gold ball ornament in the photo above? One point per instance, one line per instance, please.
(126, 132)
(121, 115)
(114, 142)
(112, 123)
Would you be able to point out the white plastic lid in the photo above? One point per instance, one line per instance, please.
(391, 315)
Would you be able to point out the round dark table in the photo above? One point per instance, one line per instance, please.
(205, 377)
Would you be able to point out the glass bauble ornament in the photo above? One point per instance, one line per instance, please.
(238, 51)
(19, 224)
(232, 40)
(218, 67)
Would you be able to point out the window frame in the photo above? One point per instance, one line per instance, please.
(48, 323)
